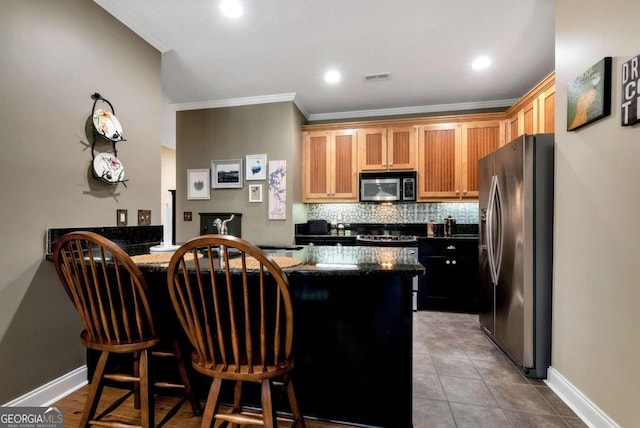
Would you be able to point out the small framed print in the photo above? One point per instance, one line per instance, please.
(198, 184)
(255, 193)
(226, 174)
(256, 167)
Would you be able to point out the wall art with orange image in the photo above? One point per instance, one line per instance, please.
(589, 95)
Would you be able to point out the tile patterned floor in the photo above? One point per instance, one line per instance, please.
(462, 380)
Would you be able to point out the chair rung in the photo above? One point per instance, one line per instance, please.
(163, 354)
(239, 418)
(168, 385)
(247, 418)
(121, 377)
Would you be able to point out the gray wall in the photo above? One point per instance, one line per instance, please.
(54, 55)
(232, 133)
(596, 342)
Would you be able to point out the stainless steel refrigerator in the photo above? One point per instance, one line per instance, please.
(515, 245)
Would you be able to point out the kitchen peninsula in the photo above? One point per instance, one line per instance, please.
(353, 330)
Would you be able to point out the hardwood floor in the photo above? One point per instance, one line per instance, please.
(461, 380)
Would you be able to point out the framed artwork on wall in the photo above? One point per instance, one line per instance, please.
(278, 190)
(630, 104)
(226, 174)
(589, 95)
(198, 184)
(256, 167)
(255, 193)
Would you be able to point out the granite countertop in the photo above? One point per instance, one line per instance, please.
(320, 260)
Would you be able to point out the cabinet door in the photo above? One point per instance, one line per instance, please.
(530, 118)
(478, 140)
(343, 173)
(372, 149)
(546, 107)
(438, 161)
(329, 166)
(401, 148)
(316, 159)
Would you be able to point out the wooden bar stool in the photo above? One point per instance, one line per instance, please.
(110, 294)
(239, 321)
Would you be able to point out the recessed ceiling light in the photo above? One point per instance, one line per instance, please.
(332, 76)
(481, 63)
(231, 8)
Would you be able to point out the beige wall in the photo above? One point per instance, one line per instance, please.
(54, 55)
(232, 133)
(596, 340)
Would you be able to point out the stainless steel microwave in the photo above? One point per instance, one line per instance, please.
(388, 186)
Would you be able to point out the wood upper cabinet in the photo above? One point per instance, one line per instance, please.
(534, 113)
(439, 151)
(448, 155)
(478, 140)
(546, 108)
(329, 166)
(387, 149)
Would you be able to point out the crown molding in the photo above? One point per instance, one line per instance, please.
(412, 110)
(234, 102)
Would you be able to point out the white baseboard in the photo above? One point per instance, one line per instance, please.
(590, 414)
(53, 391)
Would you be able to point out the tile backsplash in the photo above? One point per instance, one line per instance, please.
(463, 212)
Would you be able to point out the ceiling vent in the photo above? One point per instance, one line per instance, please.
(377, 77)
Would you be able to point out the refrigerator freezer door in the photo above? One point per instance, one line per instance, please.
(509, 297)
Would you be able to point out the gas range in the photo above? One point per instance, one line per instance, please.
(387, 240)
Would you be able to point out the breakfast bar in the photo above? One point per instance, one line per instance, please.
(353, 327)
(353, 331)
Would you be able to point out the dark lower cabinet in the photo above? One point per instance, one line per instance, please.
(451, 281)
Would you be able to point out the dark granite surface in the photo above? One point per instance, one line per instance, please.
(341, 261)
(133, 239)
(463, 231)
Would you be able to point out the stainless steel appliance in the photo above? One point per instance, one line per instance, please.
(515, 249)
(388, 186)
(385, 240)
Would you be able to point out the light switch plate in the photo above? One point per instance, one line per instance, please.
(187, 216)
(144, 217)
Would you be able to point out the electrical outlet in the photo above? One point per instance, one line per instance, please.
(187, 216)
(121, 217)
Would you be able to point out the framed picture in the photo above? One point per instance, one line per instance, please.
(630, 95)
(197, 184)
(277, 190)
(255, 193)
(589, 95)
(226, 174)
(256, 167)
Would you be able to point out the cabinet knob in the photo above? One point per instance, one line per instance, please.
(384, 164)
(448, 262)
(457, 191)
(464, 192)
(453, 262)
(390, 163)
(451, 247)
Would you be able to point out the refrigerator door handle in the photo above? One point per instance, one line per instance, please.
(489, 226)
(497, 263)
